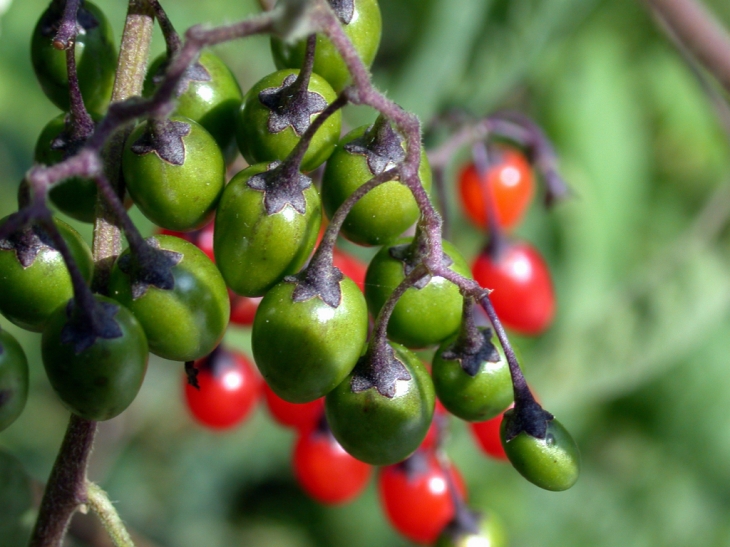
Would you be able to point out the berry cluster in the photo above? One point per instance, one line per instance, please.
(334, 340)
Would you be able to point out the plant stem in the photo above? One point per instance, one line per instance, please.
(66, 34)
(523, 395)
(66, 488)
(700, 32)
(131, 69)
(100, 504)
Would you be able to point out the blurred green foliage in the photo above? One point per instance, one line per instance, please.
(636, 365)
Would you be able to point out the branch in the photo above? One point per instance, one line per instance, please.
(66, 489)
(699, 31)
(102, 506)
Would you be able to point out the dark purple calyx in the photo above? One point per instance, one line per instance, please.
(291, 105)
(164, 138)
(27, 244)
(194, 73)
(411, 255)
(149, 266)
(381, 146)
(344, 9)
(86, 324)
(281, 187)
(379, 368)
(472, 356)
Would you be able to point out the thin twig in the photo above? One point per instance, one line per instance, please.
(104, 509)
(697, 28)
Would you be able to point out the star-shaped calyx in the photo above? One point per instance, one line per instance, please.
(344, 9)
(281, 187)
(318, 280)
(381, 146)
(194, 73)
(164, 138)
(27, 244)
(379, 368)
(291, 107)
(408, 255)
(150, 266)
(527, 416)
(87, 324)
(471, 356)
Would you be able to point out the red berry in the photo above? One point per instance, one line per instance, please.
(512, 187)
(243, 309)
(229, 387)
(523, 295)
(202, 238)
(487, 436)
(415, 496)
(440, 416)
(298, 416)
(351, 267)
(325, 471)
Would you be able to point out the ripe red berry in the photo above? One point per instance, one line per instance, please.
(243, 309)
(202, 239)
(415, 496)
(487, 436)
(229, 388)
(351, 267)
(325, 471)
(303, 417)
(440, 417)
(511, 184)
(523, 296)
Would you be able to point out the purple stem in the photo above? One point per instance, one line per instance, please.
(67, 29)
(68, 479)
(172, 38)
(82, 126)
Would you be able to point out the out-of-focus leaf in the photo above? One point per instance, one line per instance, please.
(440, 59)
(16, 502)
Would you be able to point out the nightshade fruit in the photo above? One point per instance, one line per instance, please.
(174, 172)
(255, 245)
(96, 57)
(477, 394)
(35, 280)
(552, 463)
(187, 321)
(362, 23)
(13, 379)
(428, 312)
(305, 349)
(101, 381)
(388, 210)
(379, 429)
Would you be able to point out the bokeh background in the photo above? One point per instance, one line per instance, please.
(637, 364)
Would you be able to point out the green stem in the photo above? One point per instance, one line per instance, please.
(99, 502)
(67, 488)
(131, 70)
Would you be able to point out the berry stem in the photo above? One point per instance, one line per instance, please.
(66, 35)
(293, 161)
(66, 488)
(326, 247)
(464, 518)
(172, 38)
(82, 126)
(99, 502)
(131, 69)
(523, 395)
(700, 32)
(83, 296)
